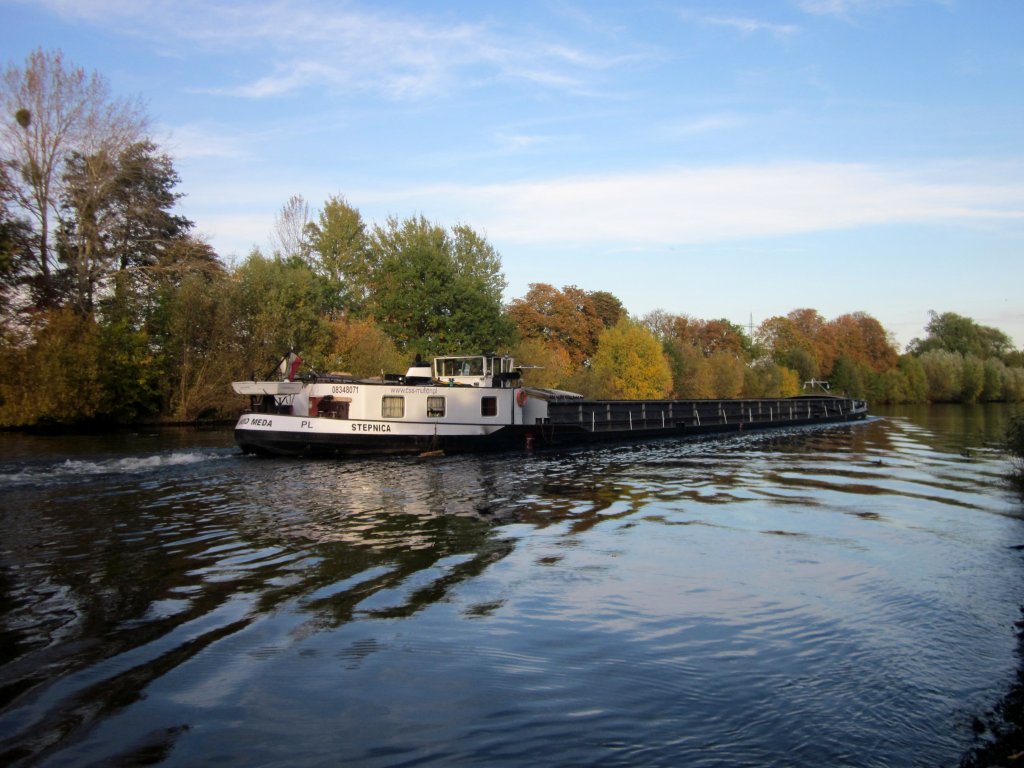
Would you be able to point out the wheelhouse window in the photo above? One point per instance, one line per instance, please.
(392, 407)
(488, 406)
(450, 367)
(435, 407)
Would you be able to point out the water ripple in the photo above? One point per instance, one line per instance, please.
(821, 596)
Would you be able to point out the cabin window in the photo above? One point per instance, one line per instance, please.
(435, 407)
(392, 407)
(461, 366)
(488, 406)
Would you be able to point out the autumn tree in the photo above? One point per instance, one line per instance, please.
(861, 338)
(658, 322)
(691, 371)
(48, 111)
(765, 378)
(566, 318)
(358, 347)
(719, 337)
(629, 364)
(608, 307)
(544, 364)
(786, 344)
(64, 352)
(707, 357)
(727, 375)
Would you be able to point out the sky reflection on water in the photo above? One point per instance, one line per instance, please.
(820, 596)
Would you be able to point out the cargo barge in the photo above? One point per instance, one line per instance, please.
(477, 403)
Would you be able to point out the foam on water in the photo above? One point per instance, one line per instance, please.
(71, 469)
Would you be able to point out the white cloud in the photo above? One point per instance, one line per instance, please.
(712, 123)
(195, 140)
(750, 26)
(846, 10)
(312, 43)
(683, 206)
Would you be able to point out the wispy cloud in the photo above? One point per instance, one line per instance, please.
(848, 10)
(744, 25)
(703, 124)
(748, 26)
(692, 205)
(196, 140)
(314, 43)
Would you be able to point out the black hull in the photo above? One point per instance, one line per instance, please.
(574, 423)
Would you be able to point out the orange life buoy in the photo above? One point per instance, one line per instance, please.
(521, 397)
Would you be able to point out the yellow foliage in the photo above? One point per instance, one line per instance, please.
(726, 375)
(629, 364)
(59, 374)
(691, 374)
(361, 348)
(553, 366)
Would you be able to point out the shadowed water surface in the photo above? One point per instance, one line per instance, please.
(827, 596)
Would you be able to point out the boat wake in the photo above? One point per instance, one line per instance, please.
(71, 469)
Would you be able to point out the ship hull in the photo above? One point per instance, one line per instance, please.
(567, 424)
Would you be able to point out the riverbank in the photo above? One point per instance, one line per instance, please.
(1001, 733)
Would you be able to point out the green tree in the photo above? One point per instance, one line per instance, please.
(851, 376)
(916, 378)
(994, 389)
(889, 387)
(197, 340)
(629, 364)
(954, 333)
(15, 247)
(1014, 385)
(478, 262)
(423, 302)
(944, 372)
(340, 252)
(972, 379)
(277, 305)
(117, 219)
(129, 374)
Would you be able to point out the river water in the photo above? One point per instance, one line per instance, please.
(821, 596)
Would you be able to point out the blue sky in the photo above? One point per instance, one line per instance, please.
(719, 159)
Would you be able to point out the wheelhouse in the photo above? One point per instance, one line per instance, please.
(475, 370)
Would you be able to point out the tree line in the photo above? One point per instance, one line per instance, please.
(115, 311)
